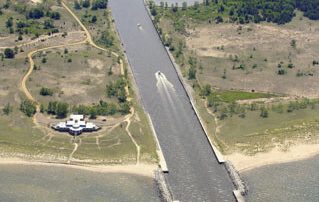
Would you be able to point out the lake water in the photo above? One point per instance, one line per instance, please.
(293, 182)
(45, 183)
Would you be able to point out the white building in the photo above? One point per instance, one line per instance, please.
(76, 125)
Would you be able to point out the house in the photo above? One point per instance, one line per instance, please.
(75, 125)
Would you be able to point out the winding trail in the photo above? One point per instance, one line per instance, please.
(88, 40)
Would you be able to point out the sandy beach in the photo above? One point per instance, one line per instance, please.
(146, 170)
(295, 153)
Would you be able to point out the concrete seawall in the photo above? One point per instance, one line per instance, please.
(241, 188)
(194, 173)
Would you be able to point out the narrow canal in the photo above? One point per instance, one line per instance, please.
(194, 173)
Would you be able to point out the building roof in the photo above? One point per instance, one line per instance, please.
(76, 125)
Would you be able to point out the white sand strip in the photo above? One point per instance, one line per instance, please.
(146, 170)
(295, 153)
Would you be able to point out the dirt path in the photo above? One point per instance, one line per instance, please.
(89, 40)
(39, 39)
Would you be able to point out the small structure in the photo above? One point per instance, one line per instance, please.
(76, 125)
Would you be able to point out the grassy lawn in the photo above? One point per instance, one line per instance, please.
(232, 96)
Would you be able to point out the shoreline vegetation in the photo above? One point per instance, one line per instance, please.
(222, 51)
(126, 137)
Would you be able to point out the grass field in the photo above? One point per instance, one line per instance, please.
(77, 75)
(249, 68)
(232, 96)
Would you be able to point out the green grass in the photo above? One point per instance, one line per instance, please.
(232, 96)
(254, 134)
(103, 23)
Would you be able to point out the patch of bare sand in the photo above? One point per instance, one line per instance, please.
(96, 63)
(235, 38)
(4, 92)
(36, 1)
(295, 153)
(146, 170)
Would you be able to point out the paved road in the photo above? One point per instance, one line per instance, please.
(195, 174)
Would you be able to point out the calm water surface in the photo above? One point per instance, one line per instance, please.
(44, 183)
(293, 182)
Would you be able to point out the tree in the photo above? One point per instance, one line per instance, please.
(93, 113)
(122, 95)
(86, 3)
(9, 22)
(206, 90)
(125, 108)
(55, 15)
(153, 11)
(184, 5)
(46, 91)
(9, 53)
(35, 13)
(293, 43)
(44, 60)
(28, 107)
(7, 109)
(48, 24)
(93, 19)
(106, 39)
(99, 4)
(62, 110)
(77, 5)
(192, 73)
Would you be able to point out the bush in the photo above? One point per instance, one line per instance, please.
(281, 71)
(206, 90)
(46, 91)
(106, 39)
(35, 13)
(86, 3)
(99, 4)
(264, 113)
(9, 53)
(55, 15)
(7, 109)
(60, 109)
(192, 73)
(28, 107)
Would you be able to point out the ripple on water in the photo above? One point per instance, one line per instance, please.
(44, 183)
(293, 182)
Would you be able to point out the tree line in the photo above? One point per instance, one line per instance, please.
(245, 11)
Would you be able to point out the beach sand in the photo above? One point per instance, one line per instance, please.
(146, 170)
(295, 153)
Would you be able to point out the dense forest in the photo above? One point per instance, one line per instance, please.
(244, 11)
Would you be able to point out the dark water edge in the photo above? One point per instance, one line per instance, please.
(45, 183)
(294, 182)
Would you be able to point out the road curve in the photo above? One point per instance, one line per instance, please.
(194, 173)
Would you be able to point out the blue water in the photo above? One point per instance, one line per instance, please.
(44, 183)
(294, 182)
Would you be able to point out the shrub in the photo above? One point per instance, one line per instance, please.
(264, 113)
(7, 109)
(28, 107)
(46, 91)
(9, 53)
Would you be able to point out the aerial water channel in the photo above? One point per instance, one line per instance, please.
(194, 172)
